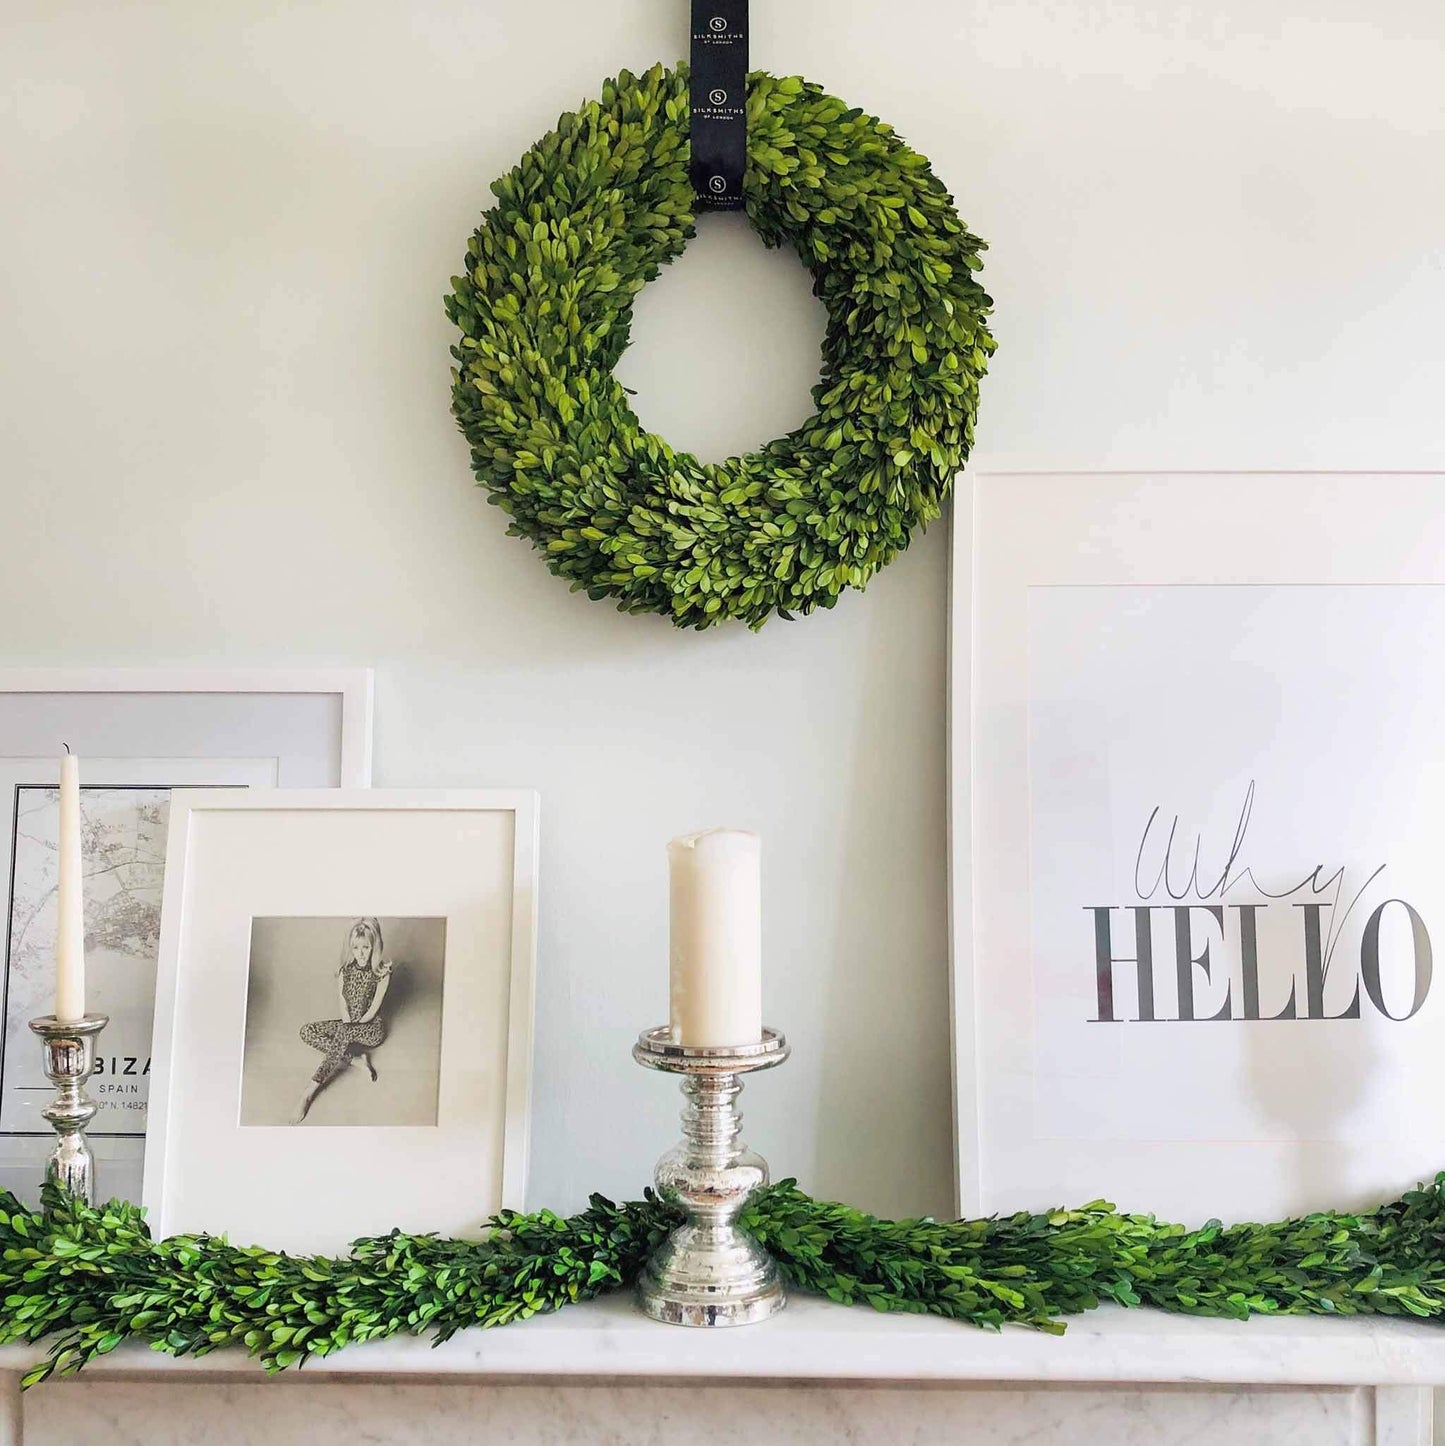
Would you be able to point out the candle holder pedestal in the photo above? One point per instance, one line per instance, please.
(708, 1272)
(69, 1063)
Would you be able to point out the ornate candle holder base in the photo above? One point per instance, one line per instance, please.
(69, 1063)
(708, 1272)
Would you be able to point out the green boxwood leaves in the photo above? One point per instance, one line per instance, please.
(90, 1278)
(1033, 1268)
(544, 305)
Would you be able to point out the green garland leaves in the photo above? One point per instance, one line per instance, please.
(1030, 1269)
(584, 221)
(91, 1278)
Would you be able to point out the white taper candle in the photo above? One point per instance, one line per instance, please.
(716, 938)
(70, 906)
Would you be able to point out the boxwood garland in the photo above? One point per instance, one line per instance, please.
(584, 221)
(91, 1278)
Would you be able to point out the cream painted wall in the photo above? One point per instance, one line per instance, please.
(225, 230)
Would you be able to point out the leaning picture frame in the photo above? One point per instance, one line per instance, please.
(1197, 809)
(140, 732)
(344, 1013)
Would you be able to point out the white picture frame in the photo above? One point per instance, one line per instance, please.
(139, 733)
(1066, 591)
(468, 857)
(352, 688)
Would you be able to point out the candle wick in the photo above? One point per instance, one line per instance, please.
(66, 746)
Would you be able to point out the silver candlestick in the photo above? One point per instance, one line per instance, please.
(69, 1063)
(708, 1272)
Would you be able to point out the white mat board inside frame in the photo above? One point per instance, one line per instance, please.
(1197, 840)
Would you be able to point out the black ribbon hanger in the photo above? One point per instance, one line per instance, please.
(719, 97)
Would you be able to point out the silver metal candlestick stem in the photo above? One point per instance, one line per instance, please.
(708, 1272)
(69, 1063)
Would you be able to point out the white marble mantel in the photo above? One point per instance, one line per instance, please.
(814, 1341)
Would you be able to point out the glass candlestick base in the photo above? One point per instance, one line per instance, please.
(69, 1063)
(709, 1272)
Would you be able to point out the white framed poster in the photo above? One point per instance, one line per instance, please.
(139, 734)
(344, 1013)
(1199, 840)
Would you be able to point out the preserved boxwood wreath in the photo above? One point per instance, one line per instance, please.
(586, 219)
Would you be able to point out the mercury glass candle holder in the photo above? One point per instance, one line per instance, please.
(69, 1063)
(709, 1272)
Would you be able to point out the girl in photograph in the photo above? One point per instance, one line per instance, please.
(362, 979)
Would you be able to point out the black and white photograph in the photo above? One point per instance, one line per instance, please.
(343, 1021)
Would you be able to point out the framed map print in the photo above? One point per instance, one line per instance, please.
(217, 730)
(123, 828)
(1199, 840)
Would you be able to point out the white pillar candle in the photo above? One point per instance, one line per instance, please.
(716, 938)
(70, 920)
